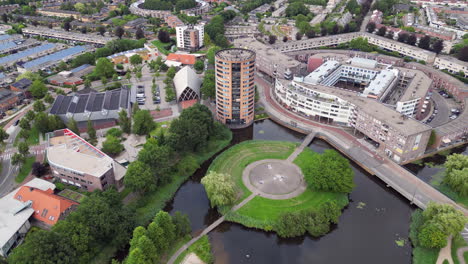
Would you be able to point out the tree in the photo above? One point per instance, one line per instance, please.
(48, 99)
(438, 46)
(424, 42)
(148, 249)
(23, 148)
(5, 18)
(404, 37)
(139, 177)
(158, 157)
(38, 89)
(136, 59)
(73, 126)
(171, 72)
(139, 34)
(220, 188)
(38, 169)
(138, 232)
(66, 25)
(41, 121)
(272, 39)
(431, 236)
(119, 32)
(137, 256)
(163, 36)
(164, 221)
(290, 225)
(17, 159)
(371, 27)
(328, 172)
(192, 129)
(310, 33)
(390, 35)
(199, 65)
(382, 31)
(24, 134)
(112, 146)
(125, 122)
(285, 39)
(143, 122)
(157, 235)
(182, 224)
(299, 36)
(463, 54)
(91, 133)
(101, 30)
(114, 132)
(104, 68)
(24, 124)
(296, 8)
(3, 135)
(456, 162)
(39, 106)
(456, 173)
(208, 86)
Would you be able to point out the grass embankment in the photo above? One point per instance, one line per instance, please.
(437, 182)
(201, 248)
(33, 137)
(162, 47)
(261, 212)
(147, 206)
(25, 169)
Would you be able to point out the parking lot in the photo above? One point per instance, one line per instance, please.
(444, 109)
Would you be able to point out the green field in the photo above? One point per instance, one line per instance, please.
(261, 212)
(234, 160)
(25, 169)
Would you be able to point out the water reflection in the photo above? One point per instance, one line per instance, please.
(364, 235)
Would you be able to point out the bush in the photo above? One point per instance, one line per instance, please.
(114, 132)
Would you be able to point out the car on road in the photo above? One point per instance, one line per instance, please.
(16, 122)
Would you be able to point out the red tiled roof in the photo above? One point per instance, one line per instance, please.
(182, 58)
(48, 207)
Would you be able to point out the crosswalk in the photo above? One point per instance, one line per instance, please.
(7, 155)
(464, 233)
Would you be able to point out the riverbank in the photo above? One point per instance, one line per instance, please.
(147, 206)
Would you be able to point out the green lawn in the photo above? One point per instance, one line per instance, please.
(33, 138)
(162, 47)
(234, 160)
(201, 248)
(425, 255)
(25, 169)
(261, 212)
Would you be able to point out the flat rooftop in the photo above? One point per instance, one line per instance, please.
(266, 52)
(67, 150)
(418, 86)
(322, 71)
(405, 125)
(235, 54)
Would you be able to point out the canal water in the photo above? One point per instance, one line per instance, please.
(366, 233)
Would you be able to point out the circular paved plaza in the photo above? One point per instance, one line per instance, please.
(274, 179)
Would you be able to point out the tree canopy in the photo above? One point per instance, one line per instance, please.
(456, 173)
(143, 122)
(220, 188)
(38, 89)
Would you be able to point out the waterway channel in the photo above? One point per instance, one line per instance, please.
(367, 232)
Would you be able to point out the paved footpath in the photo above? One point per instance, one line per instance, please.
(460, 254)
(208, 229)
(445, 253)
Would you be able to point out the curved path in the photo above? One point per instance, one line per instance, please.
(460, 254)
(255, 192)
(246, 179)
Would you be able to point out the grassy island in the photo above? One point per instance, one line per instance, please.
(318, 206)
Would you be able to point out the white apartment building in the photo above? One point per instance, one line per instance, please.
(451, 64)
(190, 37)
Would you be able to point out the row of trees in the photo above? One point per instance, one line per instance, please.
(169, 82)
(315, 222)
(426, 42)
(100, 219)
(149, 244)
(430, 228)
(160, 156)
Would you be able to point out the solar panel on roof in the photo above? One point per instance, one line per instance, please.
(54, 56)
(4, 37)
(7, 45)
(26, 53)
(82, 67)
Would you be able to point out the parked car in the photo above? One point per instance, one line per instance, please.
(157, 100)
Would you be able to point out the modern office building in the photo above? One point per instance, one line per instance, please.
(76, 162)
(190, 37)
(235, 88)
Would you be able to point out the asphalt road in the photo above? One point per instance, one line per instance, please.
(443, 109)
